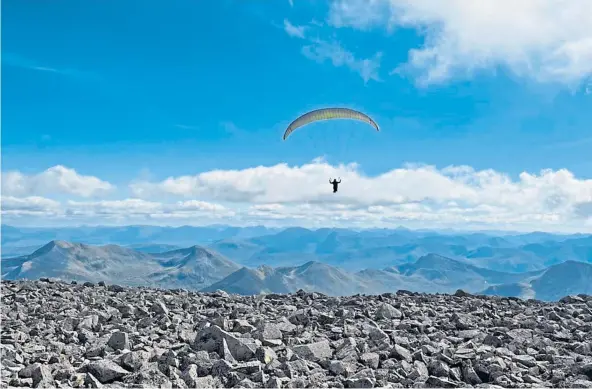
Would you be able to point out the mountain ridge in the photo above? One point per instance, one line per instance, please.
(371, 261)
(578, 276)
(83, 262)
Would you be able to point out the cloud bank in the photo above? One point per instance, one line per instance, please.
(413, 195)
(546, 41)
(57, 179)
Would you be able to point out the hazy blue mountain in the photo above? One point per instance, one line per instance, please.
(567, 278)
(375, 257)
(153, 248)
(311, 276)
(322, 278)
(16, 251)
(349, 250)
(541, 237)
(353, 250)
(128, 235)
(563, 279)
(294, 239)
(431, 273)
(199, 267)
(240, 251)
(447, 274)
(81, 262)
(248, 281)
(390, 280)
(533, 256)
(192, 268)
(438, 267)
(356, 250)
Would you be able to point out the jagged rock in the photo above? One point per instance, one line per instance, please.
(159, 308)
(402, 353)
(149, 377)
(90, 381)
(134, 360)
(119, 341)
(242, 326)
(210, 339)
(370, 359)
(347, 351)
(193, 380)
(342, 368)
(42, 377)
(265, 355)
(314, 351)
(105, 370)
(269, 331)
(67, 335)
(387, 311)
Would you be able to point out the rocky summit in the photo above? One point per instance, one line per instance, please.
(57, 334)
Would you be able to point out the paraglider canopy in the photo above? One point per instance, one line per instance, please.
(328, 114)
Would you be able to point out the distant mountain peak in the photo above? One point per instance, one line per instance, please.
(195, 250)
(200, 250)
(51, 245)
(436, 259)
(311, 263)
(432, 256)
(66, 245)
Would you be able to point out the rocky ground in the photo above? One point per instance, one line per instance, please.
(57, 334)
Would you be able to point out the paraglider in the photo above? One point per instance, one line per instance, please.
(335, 184)
(329, 114)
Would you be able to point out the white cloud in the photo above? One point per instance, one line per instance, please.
(321, 50)
(548, 41)
(57, 179)
(452, 195)
(123, 211)
(359, 14)
(29, 206)
(292, 30)
(115, 207)
(413, 195)
(135, 207)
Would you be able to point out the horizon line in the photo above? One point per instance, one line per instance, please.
(355, 229)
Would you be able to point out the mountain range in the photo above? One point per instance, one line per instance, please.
(23, 240)
(230, 265)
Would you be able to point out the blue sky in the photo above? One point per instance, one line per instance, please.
(125, 90)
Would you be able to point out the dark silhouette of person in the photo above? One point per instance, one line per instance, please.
(335, 184)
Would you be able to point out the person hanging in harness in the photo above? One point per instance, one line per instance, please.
(335, 184)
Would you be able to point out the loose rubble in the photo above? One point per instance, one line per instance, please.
(57, 334)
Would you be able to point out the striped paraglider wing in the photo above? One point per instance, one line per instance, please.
(328, 114)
